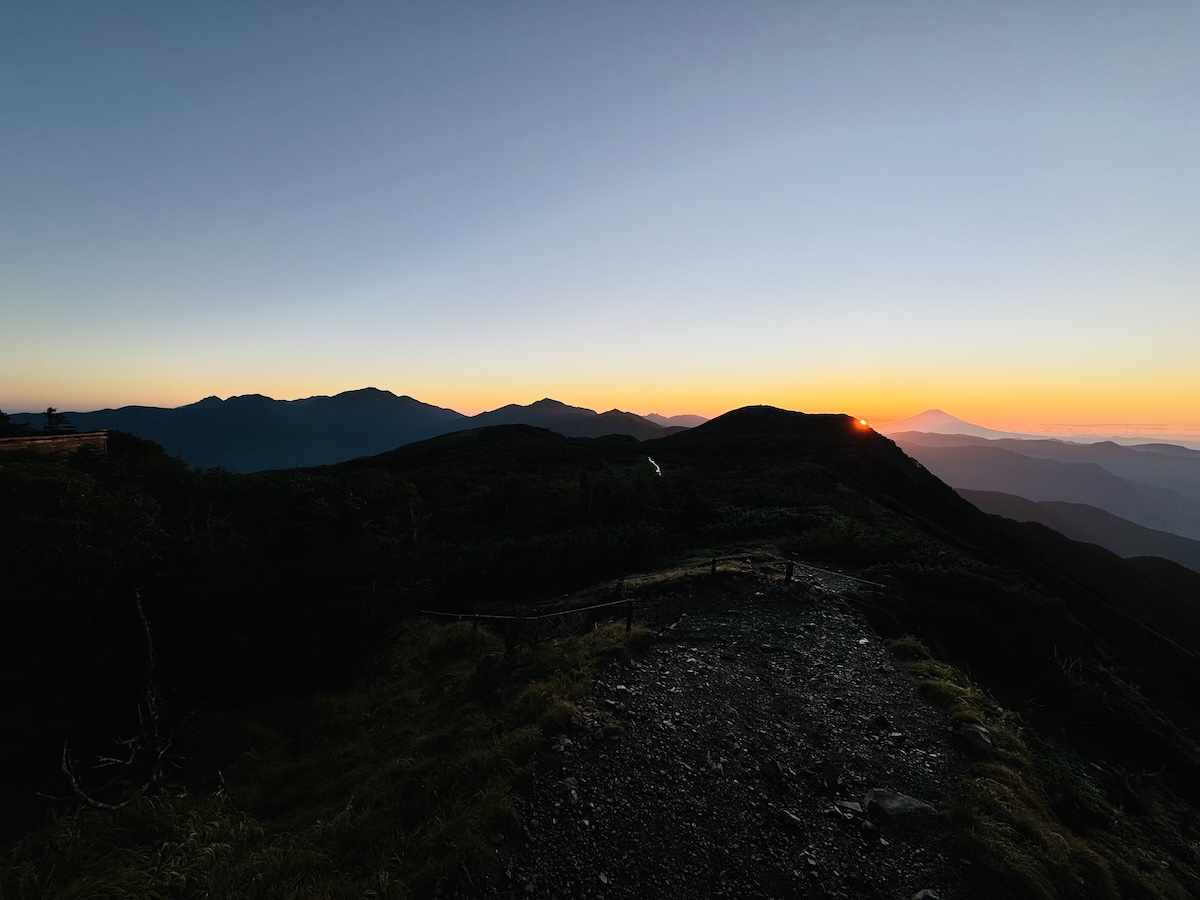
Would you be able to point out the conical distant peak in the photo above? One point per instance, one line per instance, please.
(937, 414)
(931, 417)
(938, 421)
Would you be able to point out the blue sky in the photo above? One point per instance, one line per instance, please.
(858, 207)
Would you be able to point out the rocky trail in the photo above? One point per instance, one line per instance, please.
(768, 745)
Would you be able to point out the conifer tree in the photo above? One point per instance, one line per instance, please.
(56, 422)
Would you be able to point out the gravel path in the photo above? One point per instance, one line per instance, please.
(752, 753)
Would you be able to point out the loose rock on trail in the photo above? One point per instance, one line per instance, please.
(768, 745)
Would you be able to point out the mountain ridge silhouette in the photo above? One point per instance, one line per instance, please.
(253, 432)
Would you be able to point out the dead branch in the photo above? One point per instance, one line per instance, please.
(148, 750)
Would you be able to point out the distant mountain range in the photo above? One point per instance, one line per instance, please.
(936, 421)
(572, 421)
(1162, 465)
(1081, 522)
(672, 421)
(1134, 500)
(251, 433)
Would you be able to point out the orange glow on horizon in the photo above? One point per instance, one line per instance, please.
(1103, 405)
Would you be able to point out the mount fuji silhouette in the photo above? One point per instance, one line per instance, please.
(936, 421)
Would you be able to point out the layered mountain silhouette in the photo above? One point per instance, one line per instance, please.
(996, 469)
(251, 432)
(1081, 522)
(1163, 465)
(685, 421)
(571, 421)
(1154, 486)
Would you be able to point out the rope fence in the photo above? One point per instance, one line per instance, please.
(561, 612)
(627, 602)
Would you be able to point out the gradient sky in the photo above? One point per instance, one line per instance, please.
(872, 208)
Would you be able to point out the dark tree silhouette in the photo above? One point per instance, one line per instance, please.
(56, 422)
(8, 428)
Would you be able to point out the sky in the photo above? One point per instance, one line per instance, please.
(675, 207)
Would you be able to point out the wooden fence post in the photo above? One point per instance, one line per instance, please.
(628, 616)
(713, 568)
(791, 567)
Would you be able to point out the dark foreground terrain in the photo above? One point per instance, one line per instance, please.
(232, 686)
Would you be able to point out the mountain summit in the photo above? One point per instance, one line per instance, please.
(936, 421)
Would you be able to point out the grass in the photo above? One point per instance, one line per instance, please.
(1046, 824)
(386, 790)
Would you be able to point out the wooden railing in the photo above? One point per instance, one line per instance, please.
(57, 443)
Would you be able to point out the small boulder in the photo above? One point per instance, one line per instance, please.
(893, 803)
(977, 737)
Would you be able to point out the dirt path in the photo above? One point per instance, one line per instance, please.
(736, 759)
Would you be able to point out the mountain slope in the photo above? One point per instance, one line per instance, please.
(989, 468)
(1081, 522)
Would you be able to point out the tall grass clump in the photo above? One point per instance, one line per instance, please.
(1045, 823)
(389, 789)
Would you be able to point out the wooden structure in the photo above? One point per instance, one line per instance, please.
(57, 443)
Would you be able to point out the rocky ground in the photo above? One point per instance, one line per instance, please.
(767, 746)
